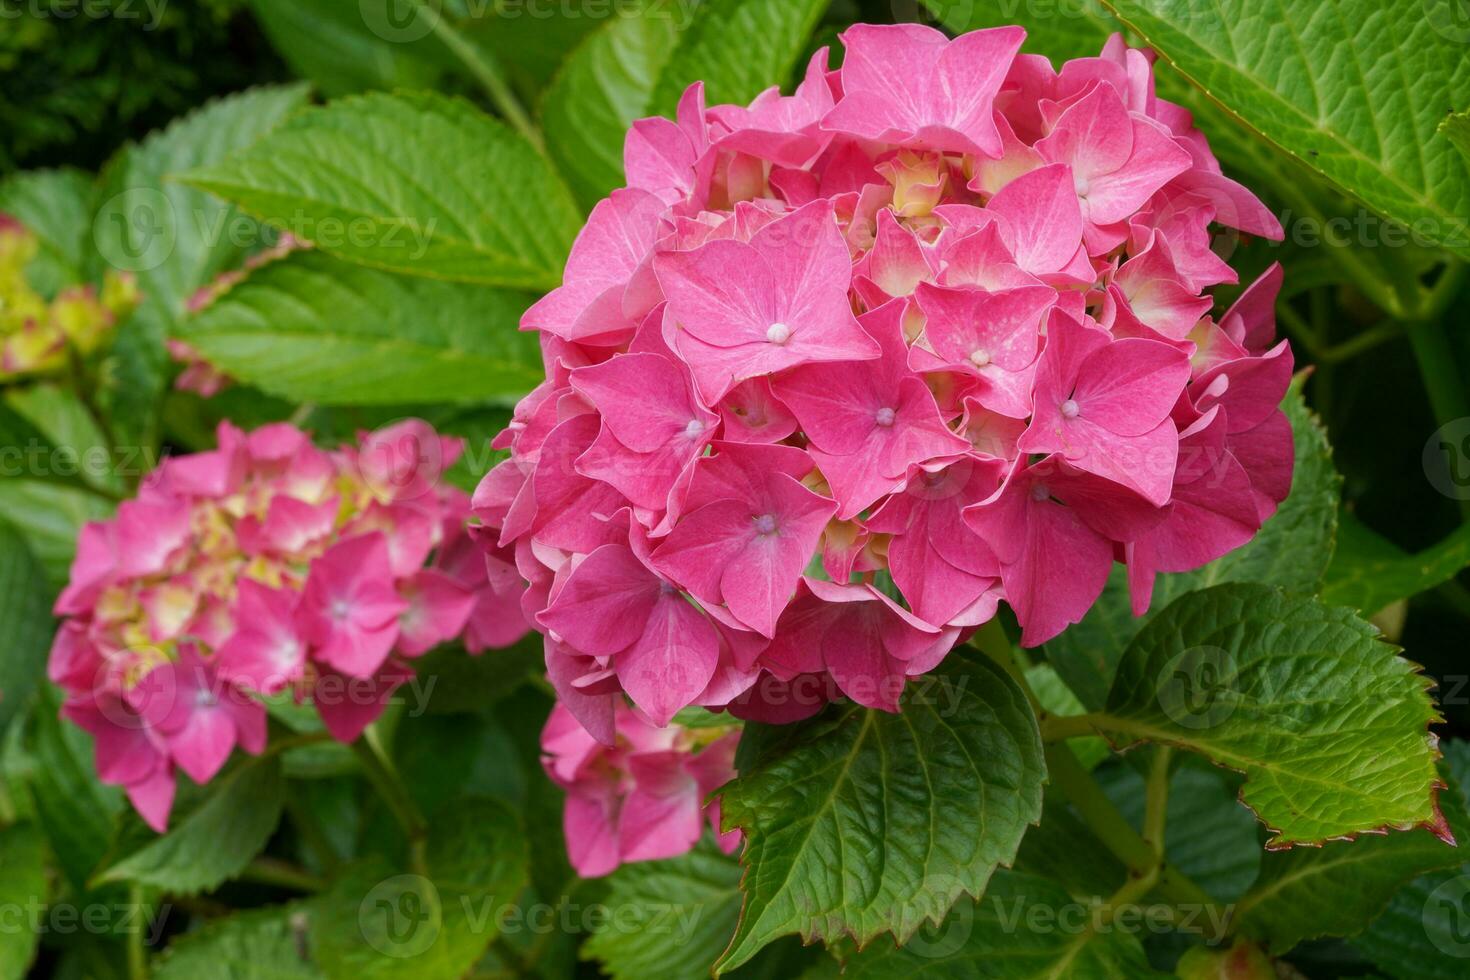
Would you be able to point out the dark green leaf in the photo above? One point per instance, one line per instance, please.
(22, 895)
(365, 178)
(687, 908)
(1024, 928)
(213, 842)
(174, 238)
(73, 808)
(25, 611)
(1354, 89)
(311, 328)
(860, 822)
(378, 923)
(1328, 724)
(1368, 572)
(263, 944)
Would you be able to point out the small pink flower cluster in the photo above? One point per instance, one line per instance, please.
(641, 799)
(838, 372)
(262, 566)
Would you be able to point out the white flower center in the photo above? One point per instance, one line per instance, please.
(694, 428)
(885, 417)
(1040, 492)
(765, 524)
(979, 357)
(1070, 409)
(778, 333)
(1082, 184)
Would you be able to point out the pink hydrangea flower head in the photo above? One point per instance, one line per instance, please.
(841, 371)
(267, 567)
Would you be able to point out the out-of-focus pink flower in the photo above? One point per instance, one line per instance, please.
(261, 566)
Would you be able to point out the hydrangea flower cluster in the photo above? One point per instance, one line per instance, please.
(265, 566)
(641, 799)
(838, 372)
(37, 336)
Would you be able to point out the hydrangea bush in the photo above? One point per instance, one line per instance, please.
(681, 490)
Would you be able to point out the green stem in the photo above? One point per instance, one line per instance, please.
(1059, 728)
(282, 874)
(486, 72)
(381, 772)
(1345, 254)
(137, 955)
(1156, 801)
(992, 641)
(1114, 831)
(1445, 291)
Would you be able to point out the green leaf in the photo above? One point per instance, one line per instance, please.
(262, 944)
(1025, 928)
(50, 517)
(1063, 848)
(738, 48)
(73, 807)
(22, 895)
(311, 328)
(1456, 128)
(862, 822)
(1292, 550)
(688, 909)
(334, 44)
(213, 842)
(25, 609)
(365, 178)
(1354, 89)
(605, 84)
(1430, 907)
(80, 452)
(1338, 888)
(1368, 572)
(377, 923)
(638, 64)
(1328, 725)
(1057, 31)
(56, 205)
(174, 238)
(531, 45)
